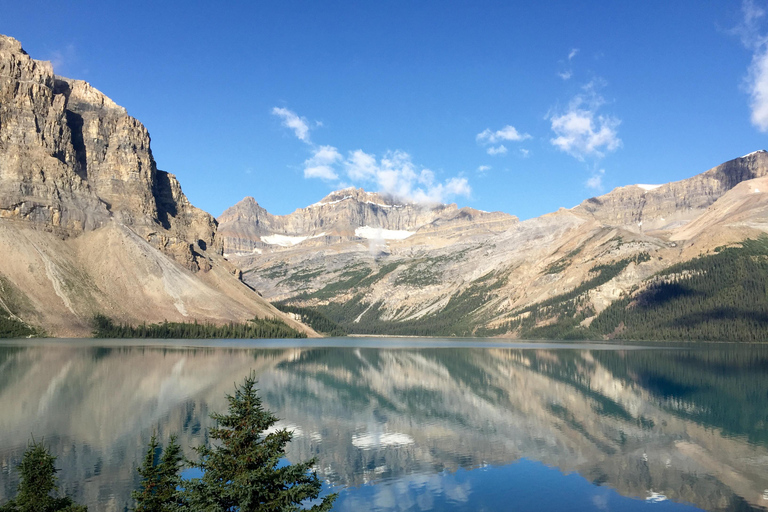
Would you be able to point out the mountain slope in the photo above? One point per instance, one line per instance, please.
(478, 273)
(88, 224)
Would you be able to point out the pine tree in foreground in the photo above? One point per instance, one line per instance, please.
(242, 471)
(38, 483)
(160, 479)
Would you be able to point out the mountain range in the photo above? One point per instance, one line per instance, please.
(89, 225)
(375, 264)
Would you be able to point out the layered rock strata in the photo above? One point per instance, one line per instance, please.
(80, 189)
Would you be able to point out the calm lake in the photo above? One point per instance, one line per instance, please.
(412, 424)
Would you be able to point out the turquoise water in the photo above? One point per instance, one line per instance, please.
(414, 424)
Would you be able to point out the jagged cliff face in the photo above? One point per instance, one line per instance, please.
(664, 207)
(349, 215)
(489, 267)
(74, 160)
(80, 190)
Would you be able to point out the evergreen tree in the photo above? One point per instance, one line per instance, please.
(160, 479)
(243, 471)
(38, 483)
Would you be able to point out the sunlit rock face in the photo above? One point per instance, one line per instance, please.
(348, 217)
(88, 224)
(683, 424)
(408, 262)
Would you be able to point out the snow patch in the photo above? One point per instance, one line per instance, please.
(647, 187)
(330, 202)
(369, 441)
(283, 240)
(754, 153)
(286, 240)
(372, 233)
(255, 250)
(655, 497)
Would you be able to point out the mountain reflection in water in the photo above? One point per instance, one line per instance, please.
(415, 429)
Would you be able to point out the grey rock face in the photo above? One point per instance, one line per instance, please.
(338, 216)
(88, 224)
(73, 160)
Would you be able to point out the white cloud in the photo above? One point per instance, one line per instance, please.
(321, 165)
(396, 175)
(497, 150)
(566, 75)
(756, 82)
(483, 169)
(294, 122)
(525, 153)
(360, 165)
(573, 53)
(509, 133)
(596, 180)
(582, 132)
(63, 59)
(491, 138)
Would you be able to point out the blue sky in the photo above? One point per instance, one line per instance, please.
(523, 107)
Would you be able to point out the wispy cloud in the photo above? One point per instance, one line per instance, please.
(321, 164)
(756, 82)
(481, 170)
(595, 181)
(581, 131)
(393, 174)
(566, 74)
(497, 150)
(294, 122)
(508, 133)
(493, 138)
(396, 175)
(63, 59)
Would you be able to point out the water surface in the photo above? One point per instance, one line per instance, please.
(414, 424)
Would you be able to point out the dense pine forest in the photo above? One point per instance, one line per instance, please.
(314, 319)
(104, 327)
(12, 301)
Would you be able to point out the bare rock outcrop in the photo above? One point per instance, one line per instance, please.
(348, 215)
(673, 204)
(79, 192)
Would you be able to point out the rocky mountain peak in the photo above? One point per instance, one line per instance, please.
(360, 196)
(89, 224)
(663, 207)
(73, 160)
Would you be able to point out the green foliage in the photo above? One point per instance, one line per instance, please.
(563, 263)
(314, 319)
(37, 489)
(420, 274)
(721, 296)
(243, 471)
(458, 318)
(12, 328)
(303, 276)
(104, 327)
(12, 301)
(160, 479)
